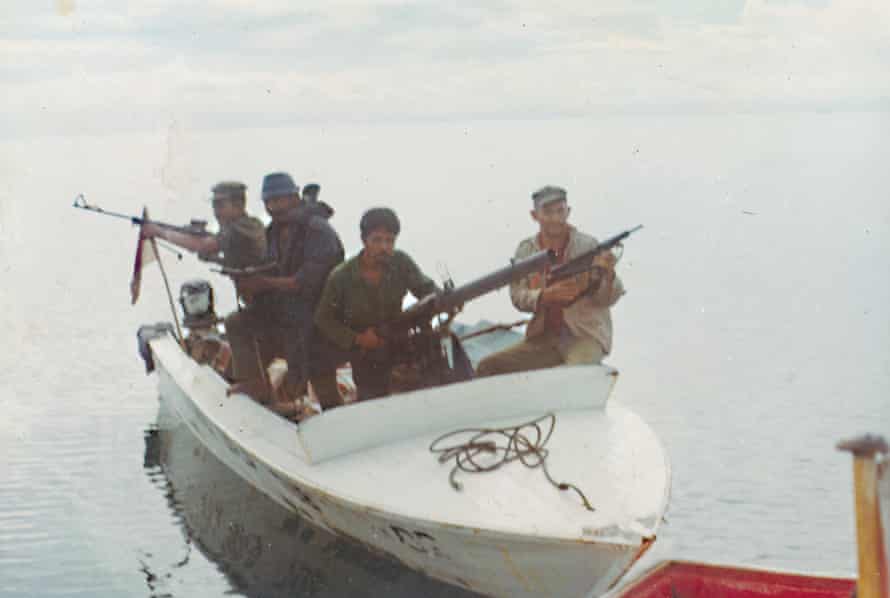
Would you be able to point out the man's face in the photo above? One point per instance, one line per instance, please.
(380, 245)
(277, 207)
(226, 211)
(553, 217)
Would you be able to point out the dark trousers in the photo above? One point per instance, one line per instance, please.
(251, 329)
(324, 358)
(372, 374)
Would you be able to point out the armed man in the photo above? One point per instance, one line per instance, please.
(241, 242)
(362, 294)
(572, 323)
(279, 319)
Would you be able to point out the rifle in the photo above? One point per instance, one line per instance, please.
(584, 262)
(244, 272)
(411, 339)
(236, 273)
(195, 227)
(450, 301)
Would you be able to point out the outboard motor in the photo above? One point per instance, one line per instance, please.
(196, 299)
(203, 342)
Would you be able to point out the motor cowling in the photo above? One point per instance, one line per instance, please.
(196, 299)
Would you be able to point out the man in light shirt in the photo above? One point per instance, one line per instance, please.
(572, 323)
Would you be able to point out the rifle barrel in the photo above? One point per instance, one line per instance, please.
(80, 203)
(516, 270)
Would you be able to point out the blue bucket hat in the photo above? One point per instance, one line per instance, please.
(277, 184)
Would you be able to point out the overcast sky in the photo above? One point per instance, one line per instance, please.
(72, 66)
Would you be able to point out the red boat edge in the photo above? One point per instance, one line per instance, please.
(685, 579)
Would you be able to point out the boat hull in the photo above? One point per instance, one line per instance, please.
(486, 561)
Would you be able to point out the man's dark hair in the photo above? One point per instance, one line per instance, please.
(376, 218)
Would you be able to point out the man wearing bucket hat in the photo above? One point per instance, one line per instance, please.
(572, 323)
(279, 320)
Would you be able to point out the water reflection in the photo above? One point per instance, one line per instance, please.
(262, 549)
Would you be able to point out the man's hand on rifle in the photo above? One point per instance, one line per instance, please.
(605, 260)
(561, 293)
(368, 340)
(604, 267)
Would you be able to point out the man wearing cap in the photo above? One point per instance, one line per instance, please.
(279, 320)
(241, 242)
(572, 323)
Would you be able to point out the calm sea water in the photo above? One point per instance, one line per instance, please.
(754, 334)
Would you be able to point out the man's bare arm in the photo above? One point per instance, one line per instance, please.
(193, 243)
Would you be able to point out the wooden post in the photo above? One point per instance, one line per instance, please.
(181, 338)
(874, 580)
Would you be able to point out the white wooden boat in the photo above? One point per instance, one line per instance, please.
(262, 549)
(366, 471)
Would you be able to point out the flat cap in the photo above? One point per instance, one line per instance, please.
(547, 194)
(232, 190)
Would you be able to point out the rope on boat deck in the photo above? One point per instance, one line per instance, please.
(524, 443)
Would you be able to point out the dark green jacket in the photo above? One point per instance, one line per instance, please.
(242, 244)
(350, 305)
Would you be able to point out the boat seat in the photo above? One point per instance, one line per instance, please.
(370, 424)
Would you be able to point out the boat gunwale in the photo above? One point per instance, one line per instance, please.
(344, 501)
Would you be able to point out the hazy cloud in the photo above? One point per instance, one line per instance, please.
(95, 66)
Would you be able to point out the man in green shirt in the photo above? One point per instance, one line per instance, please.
(361, 294)
(241, 241)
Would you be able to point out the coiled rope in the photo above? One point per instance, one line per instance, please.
(488, 449)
